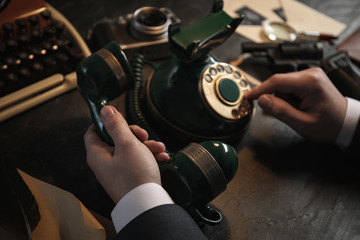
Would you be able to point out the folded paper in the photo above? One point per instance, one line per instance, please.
(62, 215)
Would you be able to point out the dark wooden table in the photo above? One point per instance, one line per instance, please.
(285, 188)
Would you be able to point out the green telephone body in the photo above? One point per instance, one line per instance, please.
(192, 97)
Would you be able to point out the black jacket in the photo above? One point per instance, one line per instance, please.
(164, 222)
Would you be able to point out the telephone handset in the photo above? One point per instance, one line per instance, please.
(192, 97)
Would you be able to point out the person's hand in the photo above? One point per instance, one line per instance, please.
(320, 109)
(130, 163)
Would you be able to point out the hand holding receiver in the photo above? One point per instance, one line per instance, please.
(193, 177)
(130, 163)
(320, 108)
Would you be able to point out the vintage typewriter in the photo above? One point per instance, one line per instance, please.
(39, 51)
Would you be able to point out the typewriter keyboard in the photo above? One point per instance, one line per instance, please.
(34, 49)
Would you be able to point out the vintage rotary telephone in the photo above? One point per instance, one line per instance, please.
(191, 97)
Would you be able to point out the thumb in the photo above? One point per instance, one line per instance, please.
(282, 110)
(115, 124)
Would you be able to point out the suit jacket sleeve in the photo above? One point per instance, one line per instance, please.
(168, 221)
(353, 149)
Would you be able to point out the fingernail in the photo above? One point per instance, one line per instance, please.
(246, 94)
(107, 112)
(264, 101)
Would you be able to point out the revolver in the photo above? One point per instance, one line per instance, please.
(295, 56)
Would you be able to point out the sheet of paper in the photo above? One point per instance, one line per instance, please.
(304, 18)
(62, 215)
(298, 15)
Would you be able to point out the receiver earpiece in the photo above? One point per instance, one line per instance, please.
(102, 77)
(197, 174)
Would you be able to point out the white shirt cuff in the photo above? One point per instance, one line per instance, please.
(137, 201)
(351, 121)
